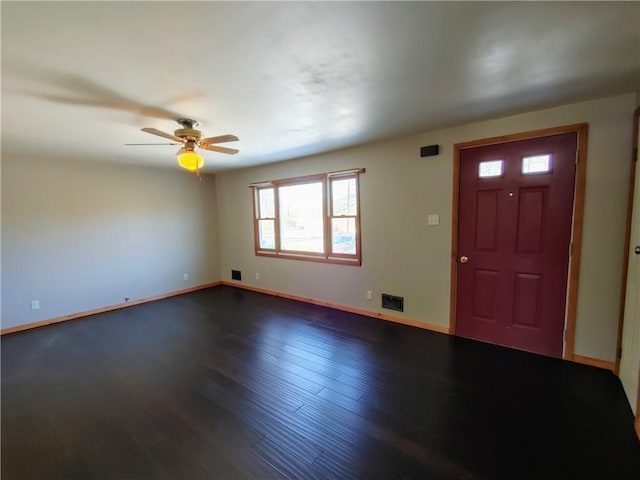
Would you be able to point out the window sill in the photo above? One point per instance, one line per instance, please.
(335, 259)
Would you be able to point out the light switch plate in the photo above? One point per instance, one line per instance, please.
(433, 219)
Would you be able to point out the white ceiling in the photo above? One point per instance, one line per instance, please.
(79, 79)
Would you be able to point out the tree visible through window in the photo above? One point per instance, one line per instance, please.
(309, 218)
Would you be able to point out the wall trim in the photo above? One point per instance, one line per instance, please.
(595, 362)
(344, 308)
(117, 306)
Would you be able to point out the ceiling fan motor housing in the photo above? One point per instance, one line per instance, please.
(188, 133)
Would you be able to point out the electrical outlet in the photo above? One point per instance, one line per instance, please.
(369, 294)
(35, 304)
(257, 276)
(433, 219)
(186, 276)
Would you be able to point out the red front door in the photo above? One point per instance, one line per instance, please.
(514, 234)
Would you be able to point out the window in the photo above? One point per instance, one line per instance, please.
(537, 164)
(309, 218)
(492, 168)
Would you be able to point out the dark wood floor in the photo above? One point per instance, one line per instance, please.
(226, 383)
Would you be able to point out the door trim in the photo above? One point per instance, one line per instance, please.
(627, 242)
(582, 131)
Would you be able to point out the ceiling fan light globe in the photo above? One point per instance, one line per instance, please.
(190, 161)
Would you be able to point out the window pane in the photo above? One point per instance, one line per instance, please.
(344, 197)
(266, 233)
(492, 168)
(343, 235)
(537, 164)
(266, 203)
(301, 217)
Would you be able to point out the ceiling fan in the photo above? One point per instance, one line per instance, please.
(191, 138)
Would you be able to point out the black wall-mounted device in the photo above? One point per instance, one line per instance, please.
(393, 302)
(429, 150)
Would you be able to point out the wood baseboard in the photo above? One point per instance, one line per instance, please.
(86, 313)
(595, 362)
(344, 308)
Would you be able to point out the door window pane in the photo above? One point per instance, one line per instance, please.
(537, 164)
(492, 168)
(301, 217)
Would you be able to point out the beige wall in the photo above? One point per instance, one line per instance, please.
(404, 256)
(84, 236)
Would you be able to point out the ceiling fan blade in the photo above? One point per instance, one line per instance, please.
(181, 151)
(160, 133)
(219, 139)
(82, 91)
(152, 144)
(214, 148)
(122, 105)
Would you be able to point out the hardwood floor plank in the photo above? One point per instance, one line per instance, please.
(229, 383)
(271, 423)
(175, 462)
(369, 439)
(285, 461)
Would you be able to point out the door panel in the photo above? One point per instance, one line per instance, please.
(514, 225)
(487, 220)
(484, 299)
(531, 219)
(527, 289)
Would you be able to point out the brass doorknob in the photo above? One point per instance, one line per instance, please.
(464, 259)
